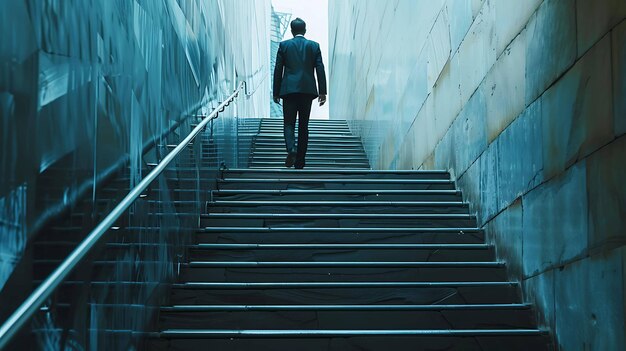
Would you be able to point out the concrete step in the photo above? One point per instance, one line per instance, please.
(319, 147)
(281, 149)
(361, 158)
(313, 146)
(341, 161)
(352, 340)
(312, 137)
(312, 130)
(325, 220)
(285, 173)
(330, 144)
(281, 153)
(320, 166)
(205, 271)
(280, 161)
(278, 206)
(337, 195)
(349, 316)
(364, 292)
(314, 150)
(332, 184)
(342, 252)
(327, 124)
(316, 167)
(254, 235)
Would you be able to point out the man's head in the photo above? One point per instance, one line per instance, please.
(298, 27)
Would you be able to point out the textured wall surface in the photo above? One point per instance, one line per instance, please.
(85, 83)
(88, 85)
(524, 101)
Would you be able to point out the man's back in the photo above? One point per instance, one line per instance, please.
(296, 61)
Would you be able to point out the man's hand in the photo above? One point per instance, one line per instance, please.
(277, 99)
(322, 99)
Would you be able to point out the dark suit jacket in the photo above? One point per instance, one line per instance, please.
(299, 57)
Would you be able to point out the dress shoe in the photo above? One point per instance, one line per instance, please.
(291, 159)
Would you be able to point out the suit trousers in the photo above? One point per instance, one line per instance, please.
(297, 105)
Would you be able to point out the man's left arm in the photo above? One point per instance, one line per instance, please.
(321, 76)
(278, 74)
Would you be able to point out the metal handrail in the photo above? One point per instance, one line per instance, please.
(28, 308)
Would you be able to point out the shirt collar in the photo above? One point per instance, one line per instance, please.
(300, 35)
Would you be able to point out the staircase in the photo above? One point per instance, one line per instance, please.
(331, 145)
(334, 257)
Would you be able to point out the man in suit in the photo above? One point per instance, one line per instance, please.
(294, 82)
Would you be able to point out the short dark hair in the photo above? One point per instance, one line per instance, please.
(298, 26)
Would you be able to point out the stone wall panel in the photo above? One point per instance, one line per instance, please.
(489, 183)
(539, 290)
(578, 111)
(413, 97)
(469, 130)
(589, 297)
(552, 29)
(477, 52)
(618, 50)
(520, 156)
(467, 181)
(424, 130)
(460, 15)
(555, 221)
(594, 19)
(406, 158)
(504, 88)
(505, 231)
(606, 173)
(511, 17)
(447, 98)
(438, 47)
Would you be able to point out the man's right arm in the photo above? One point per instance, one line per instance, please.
(278, 73)
(321, 76)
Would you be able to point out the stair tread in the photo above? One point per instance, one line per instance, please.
(329, 165)
(334, 191)
(339, 180)
(326, 264)
(341, 246)
(343, 307)
(334, 215)
(332, 285)
(343, 229)
(339, 203)
(345, 332)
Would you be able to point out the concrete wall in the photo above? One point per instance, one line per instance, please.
(525, 103)
(84, 84)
